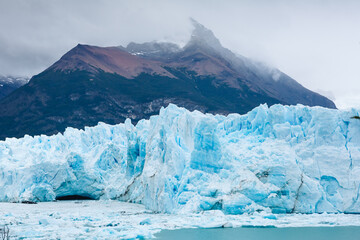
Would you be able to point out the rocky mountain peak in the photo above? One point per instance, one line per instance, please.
(203, 37)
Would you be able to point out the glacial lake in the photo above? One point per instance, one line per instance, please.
(251, 233)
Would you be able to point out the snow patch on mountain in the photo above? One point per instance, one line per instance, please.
(10, 83)
(19, 80)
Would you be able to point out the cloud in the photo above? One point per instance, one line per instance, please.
(348, 101)
(315, 42)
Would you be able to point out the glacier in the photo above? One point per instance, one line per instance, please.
(278, 159)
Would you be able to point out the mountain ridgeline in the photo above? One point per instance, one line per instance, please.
(109, 84)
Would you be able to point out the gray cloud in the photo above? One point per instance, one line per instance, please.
(315, 42)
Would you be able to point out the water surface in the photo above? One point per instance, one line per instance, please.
(291, 233)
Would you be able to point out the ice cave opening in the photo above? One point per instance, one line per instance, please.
(73, 197)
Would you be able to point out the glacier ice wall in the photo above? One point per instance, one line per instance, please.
(282, 159)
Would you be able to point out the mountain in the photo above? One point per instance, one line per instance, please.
(9, 83)
(284, 159)
(109, 84)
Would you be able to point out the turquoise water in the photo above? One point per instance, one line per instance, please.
(294, 233)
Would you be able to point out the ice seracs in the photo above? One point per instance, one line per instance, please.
(282, 159)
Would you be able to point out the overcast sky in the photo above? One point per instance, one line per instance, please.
(315, 42)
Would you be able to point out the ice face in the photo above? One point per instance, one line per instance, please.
(283, 159)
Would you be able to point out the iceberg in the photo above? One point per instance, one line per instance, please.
(278, 159)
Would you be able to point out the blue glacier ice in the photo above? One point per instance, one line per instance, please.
(280, 159)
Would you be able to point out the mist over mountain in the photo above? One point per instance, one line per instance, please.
(109, 84)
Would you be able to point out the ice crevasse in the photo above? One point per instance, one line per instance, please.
(283, 159)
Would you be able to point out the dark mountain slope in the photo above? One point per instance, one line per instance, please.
(38, 108)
